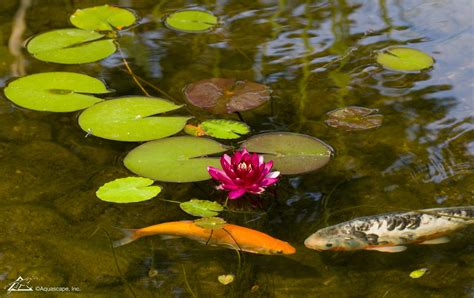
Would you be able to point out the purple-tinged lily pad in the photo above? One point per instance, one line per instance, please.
(291, 153)
(354, 118)
(225, 96)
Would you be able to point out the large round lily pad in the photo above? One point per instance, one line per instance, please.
(126, 119)
(55, 91)
(222, 96)
(102, 18)
(405, 59)
(291, 153)
(191, 20)
(175, 159)
(354, 118)
(71, 46)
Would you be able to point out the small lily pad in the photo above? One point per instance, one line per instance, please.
(71, 46)
(55, 91)
(102, 18)
(175, 159)
(226, 279)
(128, 190)
(210, 223)
(418, 273)
(225, 96)
(202, 208)
(354, 118)
(404, 59)
(191, 20)
(291, 153)
(224, 129)
(127, 119)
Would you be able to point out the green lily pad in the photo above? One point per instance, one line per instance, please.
(192, 20)
(202, 208)
(126, 119)
(418, 273)
(128, 190)
(175, 159)
(71, 46)
(225, 96)
(404, 59)
(354, 118)
(55, 91)
(224, 129)
(291, 153)
(226, 279)
(102, 18)
(210, 223)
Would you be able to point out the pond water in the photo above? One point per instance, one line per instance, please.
(316, 56)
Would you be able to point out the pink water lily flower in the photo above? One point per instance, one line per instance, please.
(242, 173)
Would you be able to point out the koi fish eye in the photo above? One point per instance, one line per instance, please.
(328, 245)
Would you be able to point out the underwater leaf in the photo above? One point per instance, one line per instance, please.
(418, 273)
(202, 208)
(102, 18)
(175, 159)
(291, 153)
(127, 119)
(191, 20)
(354, 118)
(226, 279)
(225, 129)
(194, 130)
(128, 190)
(55, 91)
(221, 96)
(404, 59)
(70, 46)
(210, 223)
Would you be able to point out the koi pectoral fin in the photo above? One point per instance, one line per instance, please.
(391, 249)
(439, 240)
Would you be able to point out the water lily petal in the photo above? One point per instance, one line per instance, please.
(273, 174)
(234, 194)
(268, 181)
(218, 175)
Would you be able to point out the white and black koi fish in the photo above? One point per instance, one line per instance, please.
(389, 232)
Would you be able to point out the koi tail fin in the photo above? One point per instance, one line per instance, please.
(129, 235)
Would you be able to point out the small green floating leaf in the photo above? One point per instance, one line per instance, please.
(128, 190)
(224, 129)
(210, 223)
(404, 59)
(226, 279)
(55, 91)
(70, 46)
(291, 153)
(102, 18)
(225, 96)
(192, 20)
(418, 273)
(354, 118)
(175, 159)
(202, 208)
(127, 119)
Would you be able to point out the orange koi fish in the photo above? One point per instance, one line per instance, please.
(230, 236)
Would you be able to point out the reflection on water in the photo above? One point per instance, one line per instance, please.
(316, 57)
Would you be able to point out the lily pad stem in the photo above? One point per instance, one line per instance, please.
(130, 71)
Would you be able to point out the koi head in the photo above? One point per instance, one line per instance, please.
(322, 240)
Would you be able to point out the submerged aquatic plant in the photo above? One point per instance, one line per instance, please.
(244, 172)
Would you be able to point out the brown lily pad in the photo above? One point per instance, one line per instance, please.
(225, 96)
(354, 118)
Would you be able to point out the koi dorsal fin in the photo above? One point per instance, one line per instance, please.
(439, 240)
(391, 249)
